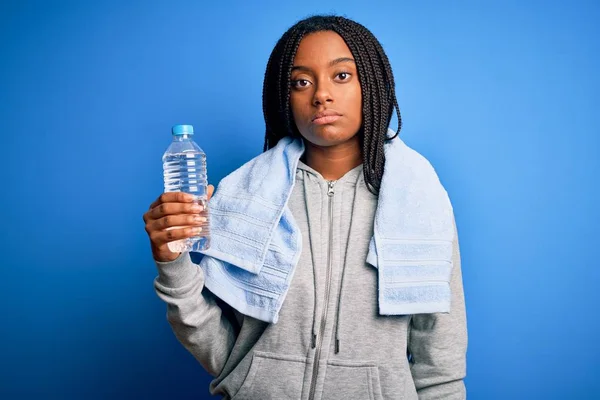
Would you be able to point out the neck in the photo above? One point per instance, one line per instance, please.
(333, 162)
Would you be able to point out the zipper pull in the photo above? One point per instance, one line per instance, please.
(330, 188)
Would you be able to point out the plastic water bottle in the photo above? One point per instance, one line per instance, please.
(184, 168)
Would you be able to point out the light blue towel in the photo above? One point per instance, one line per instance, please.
(255, 244)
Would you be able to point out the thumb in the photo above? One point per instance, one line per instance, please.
(211, 190)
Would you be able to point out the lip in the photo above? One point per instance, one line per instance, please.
(326, 117)
(325, 120)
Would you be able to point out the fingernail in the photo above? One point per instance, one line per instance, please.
(198, 218)
(197, 208)
(197, 230)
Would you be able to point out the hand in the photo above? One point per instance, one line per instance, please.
(174, 209)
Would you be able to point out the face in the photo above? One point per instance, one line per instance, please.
(326, 98)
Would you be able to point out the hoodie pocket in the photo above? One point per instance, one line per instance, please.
(273, 376)
(349, 380)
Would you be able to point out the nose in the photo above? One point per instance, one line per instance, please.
(322, 94)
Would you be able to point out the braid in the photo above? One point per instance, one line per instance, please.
(291, 126)
(376, 82)
(375, 160)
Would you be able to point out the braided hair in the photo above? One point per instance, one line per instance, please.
(376, 82)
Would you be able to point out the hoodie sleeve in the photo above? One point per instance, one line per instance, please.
(197, 320)
(438, 344)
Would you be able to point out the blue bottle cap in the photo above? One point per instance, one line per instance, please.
(182, 130)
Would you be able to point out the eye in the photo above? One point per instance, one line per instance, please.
(300, 83)
(343, 76)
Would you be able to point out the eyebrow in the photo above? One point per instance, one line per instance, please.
(331, 63)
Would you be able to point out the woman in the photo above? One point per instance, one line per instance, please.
(329, 85)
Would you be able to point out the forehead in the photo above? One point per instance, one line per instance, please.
(321, 46)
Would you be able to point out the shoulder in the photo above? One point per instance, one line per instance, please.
(401, 157)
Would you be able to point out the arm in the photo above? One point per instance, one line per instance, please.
(198, 322)
(438, 344)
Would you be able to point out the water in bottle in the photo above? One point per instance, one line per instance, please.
(184, 168)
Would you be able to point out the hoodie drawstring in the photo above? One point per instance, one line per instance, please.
(339, 313)
(338, 319)
(313, 334)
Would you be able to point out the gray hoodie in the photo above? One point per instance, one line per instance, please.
(330, 341)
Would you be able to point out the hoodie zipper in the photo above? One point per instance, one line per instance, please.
(313, 383)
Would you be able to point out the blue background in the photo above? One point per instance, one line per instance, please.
(502, 98)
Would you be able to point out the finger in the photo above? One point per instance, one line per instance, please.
(211, 190)
(160, 238)
(163, 209)
(173, 197)
(170, 221)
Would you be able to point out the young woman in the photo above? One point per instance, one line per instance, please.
(328, 85)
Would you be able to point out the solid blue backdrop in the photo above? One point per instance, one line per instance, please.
(503, 99)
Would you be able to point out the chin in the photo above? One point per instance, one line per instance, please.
(328, 135)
